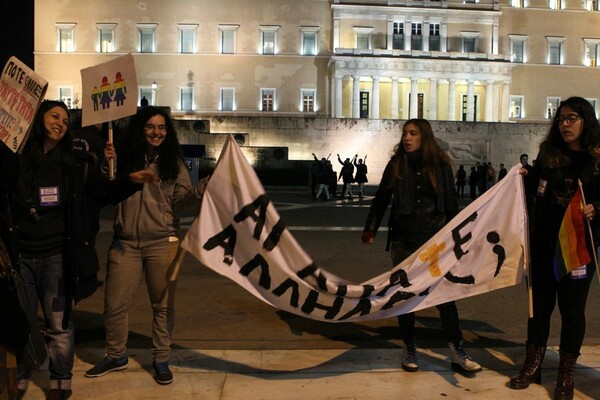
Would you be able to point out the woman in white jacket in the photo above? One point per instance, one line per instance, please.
(145, 240)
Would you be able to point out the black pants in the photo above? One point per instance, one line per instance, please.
(571, 295)
(400, 250)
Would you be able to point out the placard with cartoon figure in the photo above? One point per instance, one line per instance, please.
(109, 91)
(21, 92)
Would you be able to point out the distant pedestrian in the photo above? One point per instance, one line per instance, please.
(361, 175)
(491, 176)
(473, 183)
(461, 181)
(502, 172)
(347, 176)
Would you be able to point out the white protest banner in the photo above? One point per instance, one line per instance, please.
(239, 234)
(109, 91)
(21, 92)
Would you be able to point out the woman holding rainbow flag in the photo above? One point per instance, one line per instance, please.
(565, 177)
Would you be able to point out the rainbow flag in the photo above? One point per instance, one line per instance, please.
(571, 249)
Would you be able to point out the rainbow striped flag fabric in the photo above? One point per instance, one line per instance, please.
(571, 248)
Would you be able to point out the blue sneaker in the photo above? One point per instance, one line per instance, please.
(107, 365)
(162, 373)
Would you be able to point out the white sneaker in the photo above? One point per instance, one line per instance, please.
(461, 361)
(409, 358)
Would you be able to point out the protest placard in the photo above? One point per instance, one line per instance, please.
(109, 91)
(21, 91)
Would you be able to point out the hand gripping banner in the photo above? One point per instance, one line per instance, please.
(240, 235)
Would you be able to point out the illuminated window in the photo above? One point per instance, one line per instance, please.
(65, 94)
(591, 55)
(268, 39)
(517, 48)
(416, 38)
(186, 98)
(469, 41)
(555, 49)
(434, 37)
(308, 100)
(145, 92)
(147, 33)
(228, 36)
(106, 37)
(309, 40)
(554, 4)
(363, 37)
(516, 107)
(398, 36)
(267, 97)
(227, 99)
(553, 103)
(66, 37)
(187, 38)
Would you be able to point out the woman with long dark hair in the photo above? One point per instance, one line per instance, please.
(569, 154)
(47, 187)
(419, 182)
(146, 241)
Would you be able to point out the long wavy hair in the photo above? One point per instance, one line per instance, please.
(554, 150)
(433, 155)
(135, 145)
(34, 148)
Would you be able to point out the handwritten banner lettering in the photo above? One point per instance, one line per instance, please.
(239, 234)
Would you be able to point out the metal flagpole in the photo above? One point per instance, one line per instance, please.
(591, 236)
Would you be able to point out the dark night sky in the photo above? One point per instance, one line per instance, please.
(16, 32)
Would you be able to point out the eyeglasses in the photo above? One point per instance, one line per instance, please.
(569, 119)
(152, 128)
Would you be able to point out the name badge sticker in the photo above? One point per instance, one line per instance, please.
(579, 273)
(49, 196)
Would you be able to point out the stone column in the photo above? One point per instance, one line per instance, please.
(375, 107)
(414, 96)
(444, 36)
(470, 100)
(495, 37)
(390, 34)
(489, 101)
(426, 36)
(433, 91)
(394, 98)
(408, 34)
(451, 100)
(505, 102)
(355, 97)
(336, 33)
(339, 97)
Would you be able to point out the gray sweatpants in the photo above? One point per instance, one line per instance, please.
(126, 266)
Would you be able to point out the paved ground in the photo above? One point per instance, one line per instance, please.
(230, 345)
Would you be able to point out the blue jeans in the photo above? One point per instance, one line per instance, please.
(44, 279)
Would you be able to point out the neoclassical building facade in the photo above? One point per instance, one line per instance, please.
(453, 60)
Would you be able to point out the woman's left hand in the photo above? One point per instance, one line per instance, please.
(109, 151)
(589, 212)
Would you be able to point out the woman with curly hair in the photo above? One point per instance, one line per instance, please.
(145, 240)
(569, 154)
(419, 182)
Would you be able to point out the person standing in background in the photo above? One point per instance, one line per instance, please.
(361, 175)
(502, 172)
(419, 182)
(461, 181)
